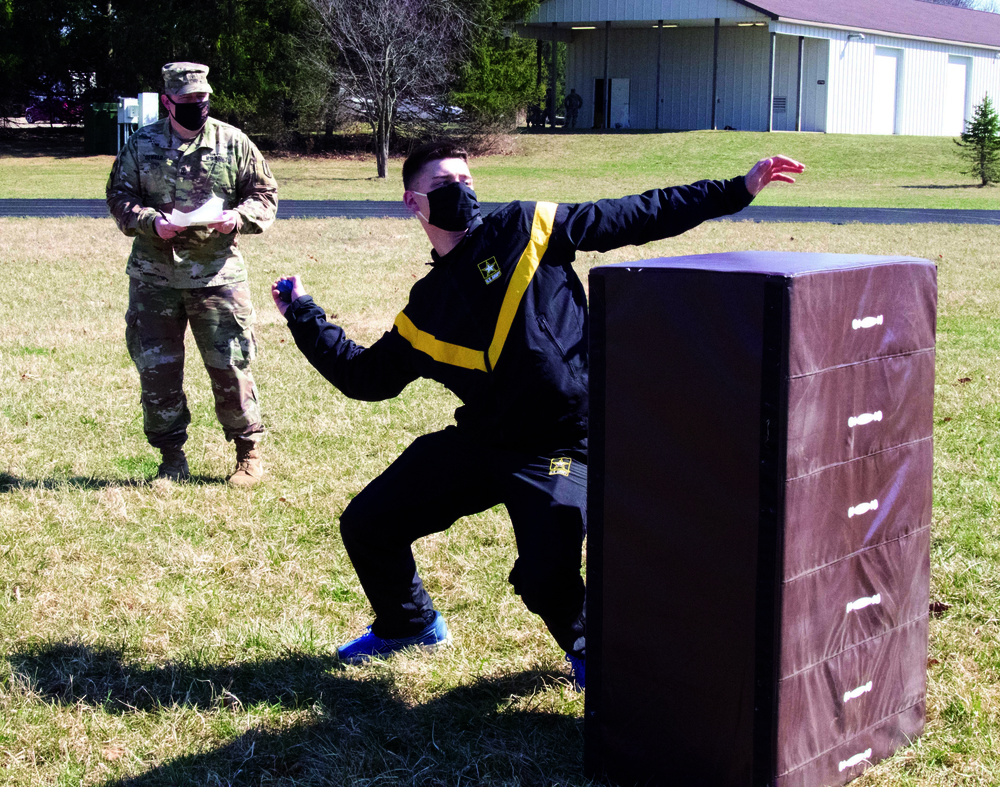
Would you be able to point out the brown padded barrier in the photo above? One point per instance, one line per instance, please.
(759, 516)
(847, 689)
(828, 412)
(842, 604)
(851, 758)
(866, 501)
(818, 308)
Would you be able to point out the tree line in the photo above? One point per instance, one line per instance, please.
(291, 71)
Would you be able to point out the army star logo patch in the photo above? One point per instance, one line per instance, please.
(490, 270)
(560, 466)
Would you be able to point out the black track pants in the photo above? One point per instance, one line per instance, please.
(444, 476)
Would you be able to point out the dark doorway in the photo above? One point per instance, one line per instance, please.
(600, 110)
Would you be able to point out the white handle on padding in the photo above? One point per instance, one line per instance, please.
(862, 508)
(853, 694)
(861, 603)
(864, 418)
(867, 322)
(855, 760)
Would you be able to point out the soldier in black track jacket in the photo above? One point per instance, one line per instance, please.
(500, 319)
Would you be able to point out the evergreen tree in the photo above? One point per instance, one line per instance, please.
(498, 77)
(979, 146)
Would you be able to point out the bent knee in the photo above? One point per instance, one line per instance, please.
(548, 588)
(356, 522)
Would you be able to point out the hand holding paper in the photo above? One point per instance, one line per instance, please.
(229, 221)
(209, 213)
(164, 228)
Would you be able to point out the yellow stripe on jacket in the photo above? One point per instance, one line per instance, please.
(541, 231)
(452, 354)
(465, 357)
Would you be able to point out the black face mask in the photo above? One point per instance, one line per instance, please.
(191, 116)
(453, 207)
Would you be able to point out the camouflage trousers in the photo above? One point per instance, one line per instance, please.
(221, 320)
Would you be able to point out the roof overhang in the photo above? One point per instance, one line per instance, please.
(907, 20)
(885, 33)
(566, 31)
(541, 32)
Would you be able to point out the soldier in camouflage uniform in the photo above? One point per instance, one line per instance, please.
(180, 275)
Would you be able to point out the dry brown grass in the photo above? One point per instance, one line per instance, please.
(181, 634)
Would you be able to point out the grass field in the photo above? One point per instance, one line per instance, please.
(175, 634)
(843, 170)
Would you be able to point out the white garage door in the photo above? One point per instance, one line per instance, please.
(884, 91)
(956, 79)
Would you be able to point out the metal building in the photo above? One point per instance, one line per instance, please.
(839, 66)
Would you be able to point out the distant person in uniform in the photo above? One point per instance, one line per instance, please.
(192, 274)
(536, 116)
(573, 104)
(500, 319)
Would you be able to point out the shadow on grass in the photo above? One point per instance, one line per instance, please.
(952, 186)
(10, 483)
(318, 178)
(579, 130)
(351, 729)
(59, 142)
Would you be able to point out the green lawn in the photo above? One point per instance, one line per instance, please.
(842, 170)
(180, 634)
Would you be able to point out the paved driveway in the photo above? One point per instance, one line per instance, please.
(362, 209)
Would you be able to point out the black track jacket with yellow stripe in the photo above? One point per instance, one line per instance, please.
(501, 320)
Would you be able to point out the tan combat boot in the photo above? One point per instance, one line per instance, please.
(249, 467)
(174, 466)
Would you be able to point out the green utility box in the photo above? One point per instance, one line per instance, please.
(100, 129)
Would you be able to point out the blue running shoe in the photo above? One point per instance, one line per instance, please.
(369, 645)
(579, 671)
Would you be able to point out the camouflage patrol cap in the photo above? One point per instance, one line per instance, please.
(182, 78)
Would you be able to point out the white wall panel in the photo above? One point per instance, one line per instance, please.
(844, 104)
(815, 79)
(984, 80)
(786, 66)
(743, 78)
(685, 75)
(922, 85)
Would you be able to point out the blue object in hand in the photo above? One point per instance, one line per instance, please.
(285, 290)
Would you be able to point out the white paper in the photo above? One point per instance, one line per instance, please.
(209, 213)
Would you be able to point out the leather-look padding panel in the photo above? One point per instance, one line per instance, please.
(856, 505)
(853, 411)
(829, 610)
(861, 314)
(837, 700)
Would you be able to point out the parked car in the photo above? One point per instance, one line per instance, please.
(428, 110)
(54, 110)
(406, 110)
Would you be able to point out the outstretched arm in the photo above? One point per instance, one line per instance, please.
(769, 170)
(371, 374)
(662, 213)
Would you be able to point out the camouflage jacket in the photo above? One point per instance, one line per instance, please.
(157, 171)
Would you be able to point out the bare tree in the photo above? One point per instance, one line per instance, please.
(394, 58)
